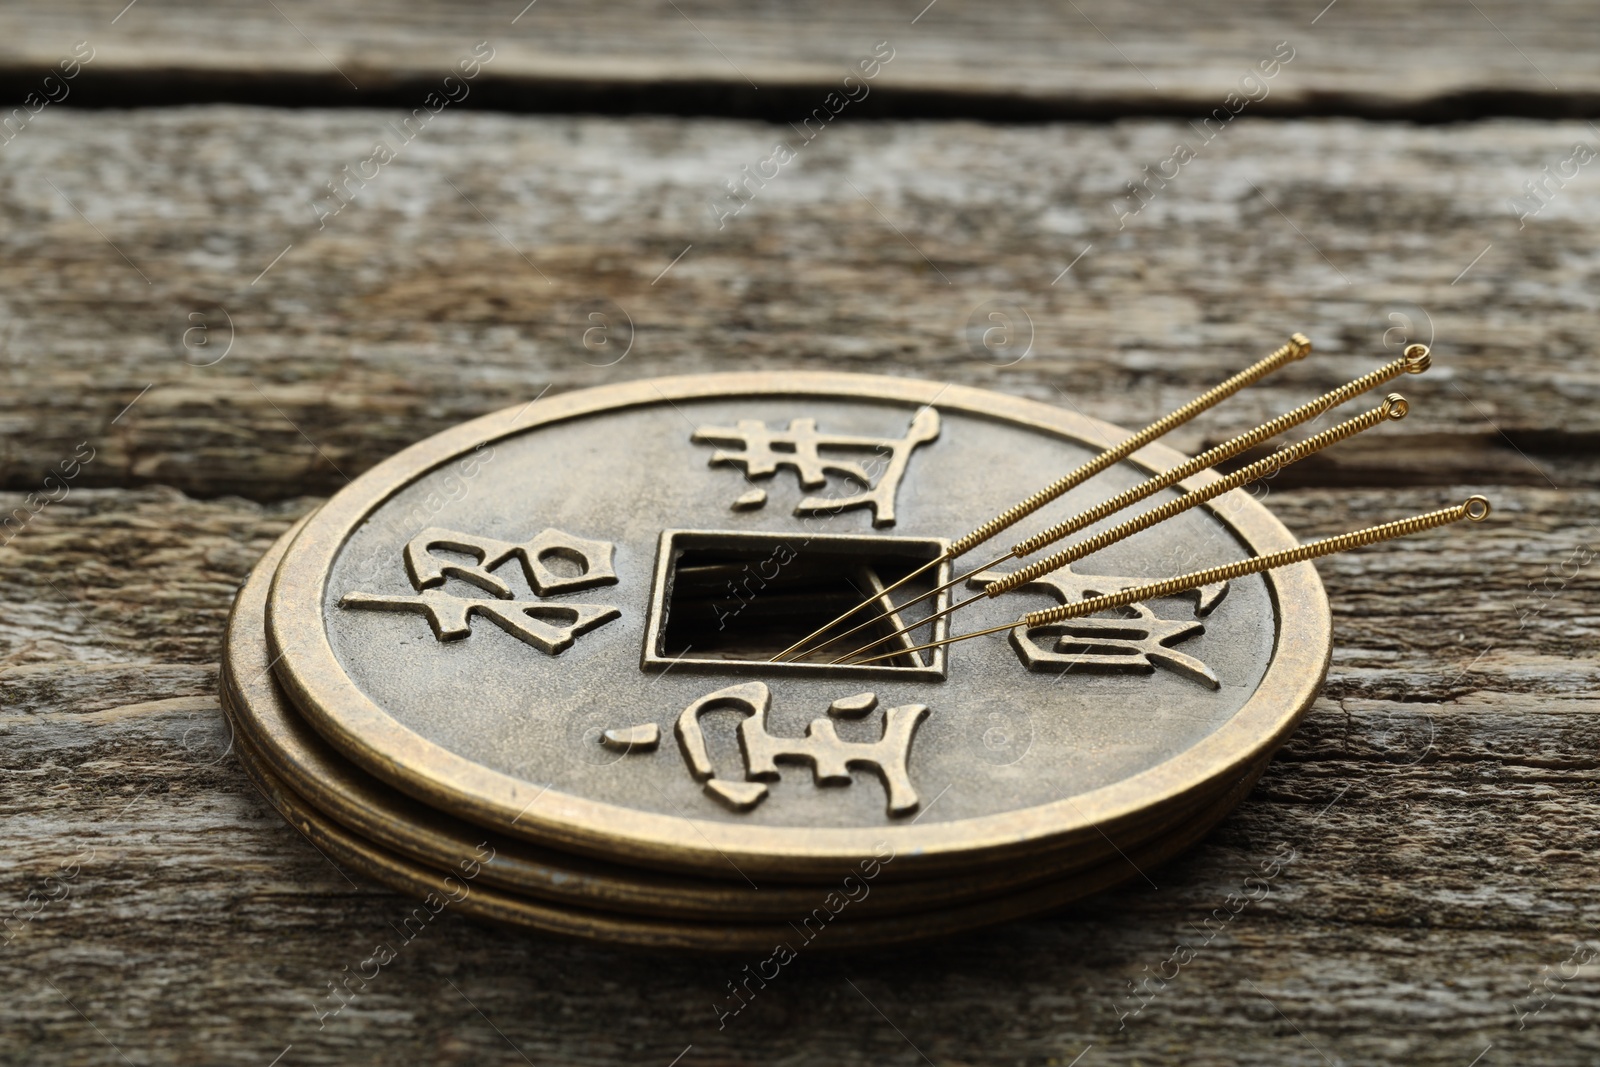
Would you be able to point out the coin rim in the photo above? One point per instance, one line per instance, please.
(505, 907)
(310, 674)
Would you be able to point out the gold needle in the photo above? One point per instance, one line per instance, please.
(1299, 347)
(1394, 407)
(1475, 508)
(1414, 360)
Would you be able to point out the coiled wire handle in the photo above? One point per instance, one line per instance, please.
(1299, 347)
(1475, 508)
(1394, 406)
(1415, 360)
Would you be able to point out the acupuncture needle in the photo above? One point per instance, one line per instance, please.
(1393, 407)
(1414, 360)
(1475, 508)
(1298, 347)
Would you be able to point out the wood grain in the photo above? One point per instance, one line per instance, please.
(458, 280)
(1022, 59)
(1440, 801)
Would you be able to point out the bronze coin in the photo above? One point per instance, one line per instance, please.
(557, 621)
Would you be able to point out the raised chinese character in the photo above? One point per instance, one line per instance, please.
(1140, 641)
(830, 757)
(549, 626)
(800, 448)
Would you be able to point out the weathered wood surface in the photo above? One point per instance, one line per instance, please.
(1434, 882)
(1020, 58)
(455, 281)
(1440, 801)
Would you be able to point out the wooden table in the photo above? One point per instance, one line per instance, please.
(1440, 800)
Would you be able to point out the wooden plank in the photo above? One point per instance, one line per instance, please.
(458, 279)
(1020, 59)
(1438, 802)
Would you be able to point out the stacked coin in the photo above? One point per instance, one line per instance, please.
(525, 669)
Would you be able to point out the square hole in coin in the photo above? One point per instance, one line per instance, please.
(730, 601)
